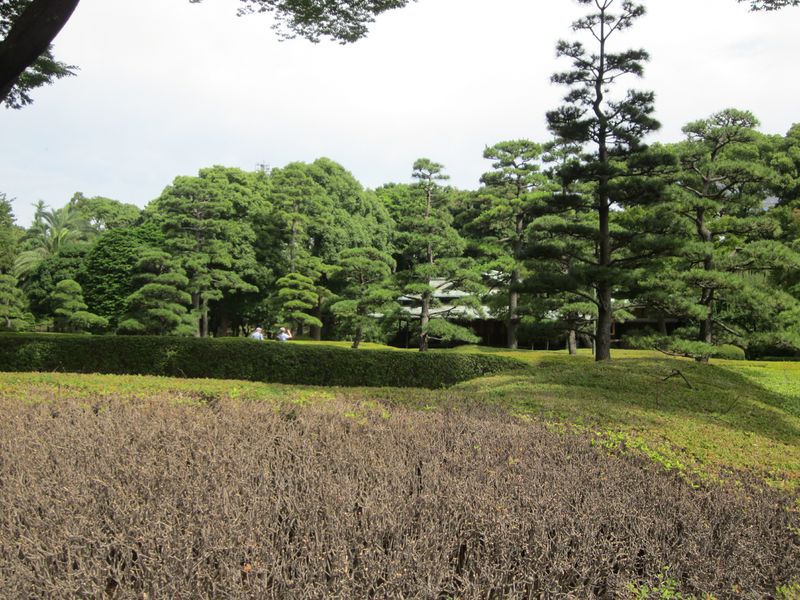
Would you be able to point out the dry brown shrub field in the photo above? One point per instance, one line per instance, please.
(155, 499)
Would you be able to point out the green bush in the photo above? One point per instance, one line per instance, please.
(729, 352)
(237, 358)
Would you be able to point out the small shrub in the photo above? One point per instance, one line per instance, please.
(729, 352)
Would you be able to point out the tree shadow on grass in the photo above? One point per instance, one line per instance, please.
(718, 396)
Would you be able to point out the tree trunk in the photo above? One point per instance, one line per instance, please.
(424, 319)
(706, 333)
(357, 338)
(316, 330)
(30, 37)
(604, 322)
(511, 318)
(196, 310)
(572, 342)
(604, 312)
(204, 319)
(224, 325)
(662, 325)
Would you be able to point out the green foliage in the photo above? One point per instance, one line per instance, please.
(788, 592)
(514, 192)
(298, 296)
(445, 331)
(430, 251)
(366, 294)
(44, 70)
(83, 320)
(70, 311)
(9, 236)
(241, 359)
(12, 305)
(40, 284)
(104, 213)
(160, 305)
(345, 21)
(612, 167)
(109, 269)
(717, 281)
(678, 345)
(664, 588)
(214, 248)
(51, 233)
(756, 5)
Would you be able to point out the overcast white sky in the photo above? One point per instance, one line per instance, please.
(166, 87)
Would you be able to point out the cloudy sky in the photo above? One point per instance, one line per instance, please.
(166, 87)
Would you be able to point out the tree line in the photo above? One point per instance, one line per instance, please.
(574, 235)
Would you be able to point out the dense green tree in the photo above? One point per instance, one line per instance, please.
(366, 293)
(40, 284)
(197, 215)
(784, 160)
(297, 297)
(718, 281)
(12, 304)
(610, 131)
(160, 304)
(558, 294)
(110, 265)
(320, 210)
(430, 252)
(69, 310)
(513, 192)
(9, 236)
(104, 213)
(28, 28)
(248, 193)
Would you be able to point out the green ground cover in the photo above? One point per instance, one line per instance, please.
(738, 416)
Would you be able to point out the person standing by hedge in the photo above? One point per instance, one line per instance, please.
(258, 335)
(284, 334)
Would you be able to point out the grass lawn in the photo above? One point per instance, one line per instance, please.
(738, 415)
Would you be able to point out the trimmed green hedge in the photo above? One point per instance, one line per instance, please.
(237, 358)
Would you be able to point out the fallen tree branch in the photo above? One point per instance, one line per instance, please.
(677, 373)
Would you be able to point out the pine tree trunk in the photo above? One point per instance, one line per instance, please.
(513, 295)
(604, 311)
(196, 309)
(224, 325)
(604, 322)
(204, 320)
(572, 342)
(316, 330)
(511, 319)
(424, 319)
(706, 333)
(357, 338)
(513, 300)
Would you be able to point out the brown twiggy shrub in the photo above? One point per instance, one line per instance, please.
(155, 500)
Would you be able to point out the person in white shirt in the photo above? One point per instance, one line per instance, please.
(284, 334)
(258, 334)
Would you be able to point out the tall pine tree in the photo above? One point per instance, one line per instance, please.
(610, 131)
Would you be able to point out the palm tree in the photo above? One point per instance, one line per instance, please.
(51, 231)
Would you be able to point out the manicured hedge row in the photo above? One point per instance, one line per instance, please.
(237, 358)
